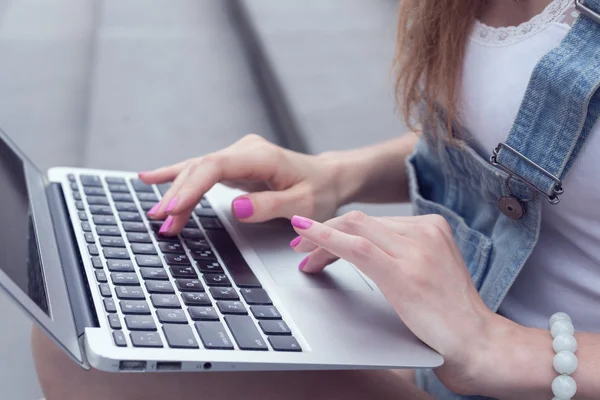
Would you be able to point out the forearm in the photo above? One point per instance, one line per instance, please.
(374, 174)
(517, 364)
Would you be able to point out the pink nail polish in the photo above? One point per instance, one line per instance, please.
(242, 207)
(296, 241)
(303, 263)
(301, 222)
(154, 209)
(171, 204)
(166, 226)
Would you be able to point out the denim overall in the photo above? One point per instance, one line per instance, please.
(494, 208)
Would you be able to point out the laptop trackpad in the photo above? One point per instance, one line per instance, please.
(271, 242)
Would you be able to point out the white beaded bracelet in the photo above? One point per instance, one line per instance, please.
(565, 361)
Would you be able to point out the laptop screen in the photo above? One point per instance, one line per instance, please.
(19, 254)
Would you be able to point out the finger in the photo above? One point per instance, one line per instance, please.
(163, 174)
(317, 261)
(267, 205)
(170, 199)
(174, 224)
(358, 250)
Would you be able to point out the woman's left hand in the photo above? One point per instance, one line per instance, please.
(417, 265)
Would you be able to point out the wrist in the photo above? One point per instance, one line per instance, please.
(346, 174)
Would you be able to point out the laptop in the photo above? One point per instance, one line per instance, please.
(80, 257)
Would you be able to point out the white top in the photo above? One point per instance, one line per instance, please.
(563, 273)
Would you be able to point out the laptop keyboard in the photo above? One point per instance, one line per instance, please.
(172, 292)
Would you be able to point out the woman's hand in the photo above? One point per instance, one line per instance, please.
(281, 183)
(418, 267)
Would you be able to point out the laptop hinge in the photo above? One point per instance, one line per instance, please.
(77, 286)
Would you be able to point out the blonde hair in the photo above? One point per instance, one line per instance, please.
(432, 36)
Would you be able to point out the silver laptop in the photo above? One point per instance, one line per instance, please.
(78, 254)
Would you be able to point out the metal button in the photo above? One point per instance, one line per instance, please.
(511, 207)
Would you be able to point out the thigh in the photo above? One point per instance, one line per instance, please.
(62, 379)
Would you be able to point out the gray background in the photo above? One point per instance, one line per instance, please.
(135, 84)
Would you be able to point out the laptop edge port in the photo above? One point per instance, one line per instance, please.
(168, 366)
(132, 365)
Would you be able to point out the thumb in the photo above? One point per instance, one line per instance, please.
(267, 205)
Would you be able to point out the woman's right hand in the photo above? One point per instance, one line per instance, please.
(280, 183)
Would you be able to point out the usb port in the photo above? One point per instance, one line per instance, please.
(168, 366)
(132, 365)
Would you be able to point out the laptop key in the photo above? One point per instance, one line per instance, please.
(104, 220)
(210, 223)
(109, 306)
(74, 186)
(256, 296)
(130, 217)
(126, 207)
(108, 230)
(191, 233)
(124, 197)
(97, 201)
(237, 267)
(158, 274)
(135, 237)
(171, 316)
(191, 224)
(130, 293)
(134, 307)
(105, 290)
(97, 262)
(179, 271)
(205, 212)
(245, 333)
(134, 227)
(120, 266)
(89, 238)
(86, 227)
(180, 336)
(165, 301)
(124, 278)
(93, 250)
(77, 195)
(232, 307)
(140, 323)
(115, 253)
(147, 205)
(177, 259)
(171, 248)
(201, 244)
(224, 293)
(145, 339)
(189, 285)
(210, 267)
(100, 276)
(159, 287)
(278, 327)
(143, 248)
(119, 338)
(79, 205)
(166, 239)
(113, 321)
(147, 197)
(112, 241)
(148, 261)
(156, 225)
(114, 180)
(203, 313)
(116, 188)
(265, 312)
(82, 216)
(203, 255)
(163, 187)
(90, 180)
(140, 186)
(204, 203)
(216, 280)
(101, 210)
(94, 191)
(71, 178)
(196, 299)
(213, 335)
(284, 343)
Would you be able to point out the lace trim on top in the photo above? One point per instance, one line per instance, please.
(562, 11)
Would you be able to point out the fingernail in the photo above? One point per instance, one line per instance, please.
(154, 209)
(296, 241)
(171, 205)
(301, 222)
(166, 226)
(242, 208)
(303, 263)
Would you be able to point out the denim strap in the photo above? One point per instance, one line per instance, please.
(559, 109)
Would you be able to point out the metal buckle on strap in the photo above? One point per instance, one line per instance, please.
(586, 11)
(553, 199)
